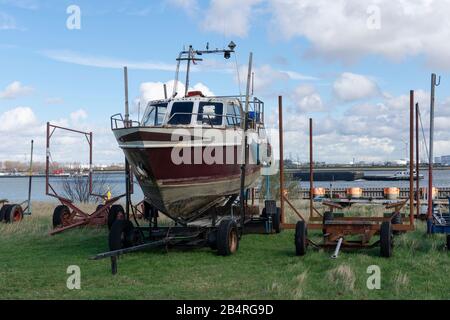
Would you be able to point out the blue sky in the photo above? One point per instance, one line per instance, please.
(322, 57)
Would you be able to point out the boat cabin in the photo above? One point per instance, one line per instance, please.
(197, 110)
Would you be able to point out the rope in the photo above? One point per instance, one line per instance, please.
(238, 75)
(423, 134)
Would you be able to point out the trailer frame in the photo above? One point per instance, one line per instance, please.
(74, 216)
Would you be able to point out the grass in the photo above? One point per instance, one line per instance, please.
(33, 266)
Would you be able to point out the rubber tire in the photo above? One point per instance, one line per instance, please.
(386, 243)
(121, 235)
(276, 221)
(448, 242)
(224, 233)
(327, 216)
(8, 216)
(113, 213)
(58, 214)
(301, 241)
(2, 211)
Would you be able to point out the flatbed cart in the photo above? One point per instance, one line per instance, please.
(67, 215)
(354, 232)
(11, 213)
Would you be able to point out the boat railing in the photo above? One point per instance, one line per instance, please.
(118, 122)
(210, 118)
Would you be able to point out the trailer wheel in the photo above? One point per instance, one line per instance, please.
(2, 211)
(301, 238)
(227, 237)
(122, 235)
(448, 242)
(386, 239)
(327, 216)
(276, 221)
(60, 214)
(115, 213)
(13, 213)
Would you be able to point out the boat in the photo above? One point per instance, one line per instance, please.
(186, 151)
(397, 176)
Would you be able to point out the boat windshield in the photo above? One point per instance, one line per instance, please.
(154, 115)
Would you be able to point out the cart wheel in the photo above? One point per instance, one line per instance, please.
(301, 238)
(448, 242)
(2, 211)
(227, 237)
(13, 213)
(60, 215)
(386, 241)
(115, 213)
(212, 240)
(276, 221)
(327, 216)
(122, 235)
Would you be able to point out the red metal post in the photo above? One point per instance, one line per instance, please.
(280, 128)
(47, 159)
(417, 163)
(311, 169)
(411, 158)
(90, 162)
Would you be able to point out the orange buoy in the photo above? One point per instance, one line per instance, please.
(434, 193)
(392, 193)
(318, 192)
(354, 193)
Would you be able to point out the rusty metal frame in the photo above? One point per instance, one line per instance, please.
(367, 227)
(77, 216)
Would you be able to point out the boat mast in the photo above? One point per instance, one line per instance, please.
(244, 141)
(189, 56)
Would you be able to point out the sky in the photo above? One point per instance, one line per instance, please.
(349, 65)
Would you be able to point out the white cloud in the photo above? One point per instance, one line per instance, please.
(350, 87)
(339, 29)
(15, 90)
(7, 22)
(17, 119)
(229, 17)
(105, 62)
(155, 90)
(78, 115)
(307, 99)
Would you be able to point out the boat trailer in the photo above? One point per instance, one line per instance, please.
(67, 215)
(11, 213)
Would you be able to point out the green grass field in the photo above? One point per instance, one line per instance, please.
(33, 266)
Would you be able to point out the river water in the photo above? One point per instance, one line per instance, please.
(15, 189)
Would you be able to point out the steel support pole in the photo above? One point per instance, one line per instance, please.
(127, 165)
(47, 158)
(417, 163)
(311, 169)
(280, 128)
(430, 160)
(411, 157)
(30, 179)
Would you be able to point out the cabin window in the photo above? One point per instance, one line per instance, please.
(210, 113)
(237, 111)
(181, 113)
(155, 115)
(231, 115)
